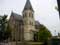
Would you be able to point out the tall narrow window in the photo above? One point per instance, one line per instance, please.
(23, 15)
(29, 14)
(31, 23)
(32, 15)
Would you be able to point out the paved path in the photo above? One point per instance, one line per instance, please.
(18, 43)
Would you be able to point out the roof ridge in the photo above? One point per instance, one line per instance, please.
(14, 13)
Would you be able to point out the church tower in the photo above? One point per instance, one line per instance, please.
(29, 22)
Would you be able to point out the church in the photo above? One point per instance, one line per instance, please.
(24, 27)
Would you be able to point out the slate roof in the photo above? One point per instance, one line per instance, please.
(28, 5)
(17, 16)
(37, 23)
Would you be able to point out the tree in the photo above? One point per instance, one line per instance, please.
(8, 31)
(3, 26)
(43, 34)
(5, 30)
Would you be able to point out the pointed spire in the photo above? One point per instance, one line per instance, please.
(28, 6)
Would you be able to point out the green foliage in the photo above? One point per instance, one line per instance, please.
(43, 34)
(2, 26)
(5, 31)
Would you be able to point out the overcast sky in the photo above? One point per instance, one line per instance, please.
(45, 11)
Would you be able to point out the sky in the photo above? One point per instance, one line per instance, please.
(45, 11)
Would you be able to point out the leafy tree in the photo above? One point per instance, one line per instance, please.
(43, 33)
(3, 22)
(8, 31)
(3, 28)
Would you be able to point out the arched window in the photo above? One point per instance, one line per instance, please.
(31, 23)
(24, 15)
(29, 14)
(32, 15)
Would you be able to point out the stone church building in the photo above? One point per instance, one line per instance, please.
(24, 27)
